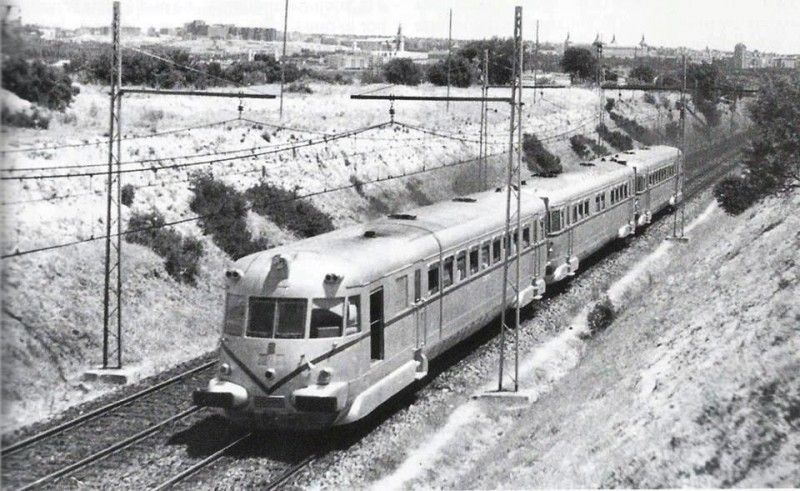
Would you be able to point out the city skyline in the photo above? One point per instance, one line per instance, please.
(766, 27)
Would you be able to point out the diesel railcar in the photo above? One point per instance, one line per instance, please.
(322, 331)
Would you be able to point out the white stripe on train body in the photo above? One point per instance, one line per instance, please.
(322, 331)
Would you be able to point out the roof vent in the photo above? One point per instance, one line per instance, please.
(603, 159)
(497, 190)
(630, 152)
(402, 216)
(587, 164)
(523, 182)
(370, 234)
(464, 200)
(621, 162)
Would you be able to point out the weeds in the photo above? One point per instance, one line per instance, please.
(538, 158)
(601, 316)
(616, 139)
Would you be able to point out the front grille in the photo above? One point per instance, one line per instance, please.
(271, 402)
(315, 404)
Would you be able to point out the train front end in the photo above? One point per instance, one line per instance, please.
(290, 348)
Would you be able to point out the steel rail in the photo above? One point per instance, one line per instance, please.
(292, 471)
(22, 444)
(97, 456)
(203, 463)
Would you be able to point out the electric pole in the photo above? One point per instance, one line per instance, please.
(112, 296)
(513, 227)
(283, 57)
(449, 49)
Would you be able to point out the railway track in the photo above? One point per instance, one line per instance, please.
(87, 439)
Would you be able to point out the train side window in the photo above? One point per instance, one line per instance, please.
(486, 258)
(526, 236)
(400, 294)
(640, 184)
(587, 211)
(235, 306)
(474, 260)
(327, 317)
(433, 278)
(417, 286)
(497, 250)
(597, 203)
(354, 314)
(447, 272)
(555, 221)
(461, 265)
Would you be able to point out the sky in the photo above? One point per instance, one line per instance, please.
(764, 25)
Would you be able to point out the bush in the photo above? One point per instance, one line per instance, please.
(634, 129)
(181, 254)
(38, 83)
(287, 212)
(618, 140)
(23, 119)
(538, 158)
(650, 98)
(601, 316)
(672, 132)
(223, 212)
(299, 88)
(372, 77)
(643, 73)
(460, 72)
(128, 193)
(735, 194)
(584, 147)
(402, 71)
(609, 104)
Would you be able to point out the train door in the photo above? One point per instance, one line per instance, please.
(420, 309)
(376, 336)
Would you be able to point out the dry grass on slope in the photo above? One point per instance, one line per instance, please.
(694, 385)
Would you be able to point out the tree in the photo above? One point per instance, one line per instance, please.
(36, 82)
(402, 71)
(501, 58)
(643, 73)
(460, 72)
(579, 62)
(773, 157)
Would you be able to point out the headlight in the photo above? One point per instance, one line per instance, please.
(225, 369)
(325, 376)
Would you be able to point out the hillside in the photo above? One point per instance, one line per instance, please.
(52, 300)
(693, 385)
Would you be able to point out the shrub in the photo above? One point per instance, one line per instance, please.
(672, 132)
(634, 129)
(601, 316)
(181, 254)
(402, 71)
(128, 193)
(288, 212)
(618, 140)
(299, 88)
(609, 104)
(584, 147)
(39, 83)
(460, 72)
(735, 194)
(538, 158)
(23, 119)
(223, 212)
(372, 77)
(650, 98)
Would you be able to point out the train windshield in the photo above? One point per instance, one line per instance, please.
(277, 318)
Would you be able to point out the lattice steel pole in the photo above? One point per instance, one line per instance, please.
(513, 194)
(112, 297)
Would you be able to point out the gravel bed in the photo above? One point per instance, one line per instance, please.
(113, 394)
(56, 452)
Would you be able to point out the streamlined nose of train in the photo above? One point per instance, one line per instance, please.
(222, 394)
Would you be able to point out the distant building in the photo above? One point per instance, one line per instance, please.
(219, 31)
(740, 56)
